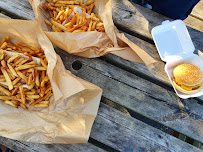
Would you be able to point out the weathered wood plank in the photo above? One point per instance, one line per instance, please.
(19, 146)
(132, 134)
(145, 106)
(198, 10)
(115, 130)
(21, 9)
(3, 16)
(141, 20)
(141, 96)
(194, 23)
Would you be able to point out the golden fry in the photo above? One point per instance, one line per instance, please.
(32, 85)
(41, 105)
(12, 70)
(59, 25)
(89, 2)
(90, 26)
(23, 67)
(77, 31)
(37, 79)
(12, 103)
(91, 8)
(2, 41)
(13, 58)
(14, 91)
(23, 61)
(22, 95)
(43, 63)
(17, 62)
(40, 68)
(32, 62)
(22, 76)
(40, 99)
(8, 80)
(16, 81)
(47, 22)
(42, 90)
(2, 54)
(48, 89)
(10, 74)
(30, 99)
(4, 45)
(30, 93)
(3, 63)
(94, 26)
(23, 106)
(4, 91)
(2, 80)
(33, 96)
(30, 79)
(7, 97)
(47, 98)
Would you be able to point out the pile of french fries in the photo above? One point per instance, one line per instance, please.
(22, 80)
(64, 18)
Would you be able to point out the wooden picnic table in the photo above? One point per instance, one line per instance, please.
(138, 112)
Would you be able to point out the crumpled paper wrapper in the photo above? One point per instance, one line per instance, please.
(94, 44)
(73, 108)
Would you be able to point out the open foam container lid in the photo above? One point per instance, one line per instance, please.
(172, 39)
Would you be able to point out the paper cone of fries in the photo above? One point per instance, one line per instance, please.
(67, 116)
(85, 28)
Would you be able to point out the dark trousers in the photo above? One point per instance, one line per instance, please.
(175, 9)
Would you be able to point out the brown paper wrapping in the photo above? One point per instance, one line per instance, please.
(73, 108)
(94, 44)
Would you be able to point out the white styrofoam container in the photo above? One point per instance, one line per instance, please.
(175, 47)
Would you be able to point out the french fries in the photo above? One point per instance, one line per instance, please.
(8, 79)
(23, 76)
(72, 16)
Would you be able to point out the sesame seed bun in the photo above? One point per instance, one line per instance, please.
(188, 74)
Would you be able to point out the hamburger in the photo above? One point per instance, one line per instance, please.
(187, 78)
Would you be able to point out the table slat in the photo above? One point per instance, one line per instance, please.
(140, 95)
(193, 22)
(20, 146)
(20, 9)
(115, 130)
(3, 16)
(127, 132)
(198, 10)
